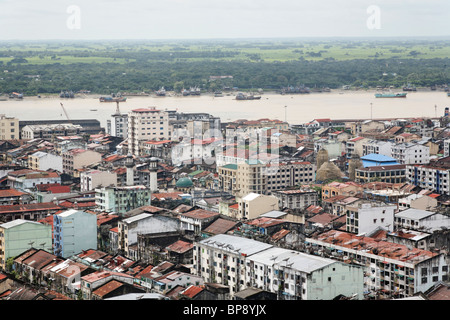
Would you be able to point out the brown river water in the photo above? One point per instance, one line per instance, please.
(296, 109)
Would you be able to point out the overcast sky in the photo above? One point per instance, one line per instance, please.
(193, 19)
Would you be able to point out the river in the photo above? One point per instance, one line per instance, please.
(297, 109)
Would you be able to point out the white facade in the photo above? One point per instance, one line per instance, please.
(118, 125)
(378, 147)
(410, 153)
(427, 177)
(92, 179)
(44, 161)
(446, 147)
(421, 220)
(366, 217)
(302, 276)
(242, 263)
(222, 259)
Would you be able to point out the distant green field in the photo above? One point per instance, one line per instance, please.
(266, 51)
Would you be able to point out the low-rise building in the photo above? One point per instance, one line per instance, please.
(367, 216)
(389, 174)
(122, 199)
(50, 131)
(92, 179)
(78, 158)
(19, 235)
(45, 161)
(296, 198)
(254, 204)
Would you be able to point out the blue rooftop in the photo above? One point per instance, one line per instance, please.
(375, 159)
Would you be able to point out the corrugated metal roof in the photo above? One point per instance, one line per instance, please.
(297, 260)
(235, 244)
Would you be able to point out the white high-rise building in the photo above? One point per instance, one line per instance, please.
(146, 124)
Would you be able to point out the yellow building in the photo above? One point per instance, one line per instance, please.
(9, 128)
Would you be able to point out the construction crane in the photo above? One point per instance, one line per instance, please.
(65, 112)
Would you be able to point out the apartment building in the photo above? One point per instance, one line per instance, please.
(247, 177)
(19, 235)
(117, 125)
(221, 259)
(298, 276)
(296, 198)
(367, 216)
(335, 188)
(253, 205)
(27, 179)
(92, 179)
(74, 231)
(242, 263)
(122, 199)
(390, 269)
(78, 158)
(146, 124)
(355, 146)
(411, 153)
(9, 128)
(377, 146)
(421, 220)
(45, 161)
(434, 176)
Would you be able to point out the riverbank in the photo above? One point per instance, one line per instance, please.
(230, 93)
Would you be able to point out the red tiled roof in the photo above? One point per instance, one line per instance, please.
(180, 246)
(167, 195)
(200, 214)
(10, 193)
(29, 207)
(265, 222)
(280, 234)
(68, 204)
(104, 218)
(375, 246)
(192, 291)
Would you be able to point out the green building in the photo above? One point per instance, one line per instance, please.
(20, 235)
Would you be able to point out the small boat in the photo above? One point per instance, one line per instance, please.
(390, 95)
(218, 94)
(409, 87)
(194, 91)
(161, 92)
(241, 96)
(93, 109)
(113, 99)
(67, 94)
(185, 92)
(16, 95)
(448, 94)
